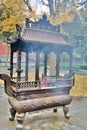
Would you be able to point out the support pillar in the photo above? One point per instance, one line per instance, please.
(26, 69)
(11, 64)
(45, 65)
(19, 65)
(37, 66)
(70, 63)
(57, 64)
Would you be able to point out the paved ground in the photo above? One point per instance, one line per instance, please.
(46, 120)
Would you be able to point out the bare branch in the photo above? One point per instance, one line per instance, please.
(83, 2)
(27, 2)
(44, 3)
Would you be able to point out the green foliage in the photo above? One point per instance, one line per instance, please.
(75, 66)
(83, 67)
(75, 30)
(41, 64)
(65, 66)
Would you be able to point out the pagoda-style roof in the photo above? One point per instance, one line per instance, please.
(40, 36)
(42, 31)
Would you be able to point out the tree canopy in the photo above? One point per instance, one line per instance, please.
(15, 11)
(58, 11)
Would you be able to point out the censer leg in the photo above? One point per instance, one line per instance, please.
(12, 112)
(66, 110)
(20, 121)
